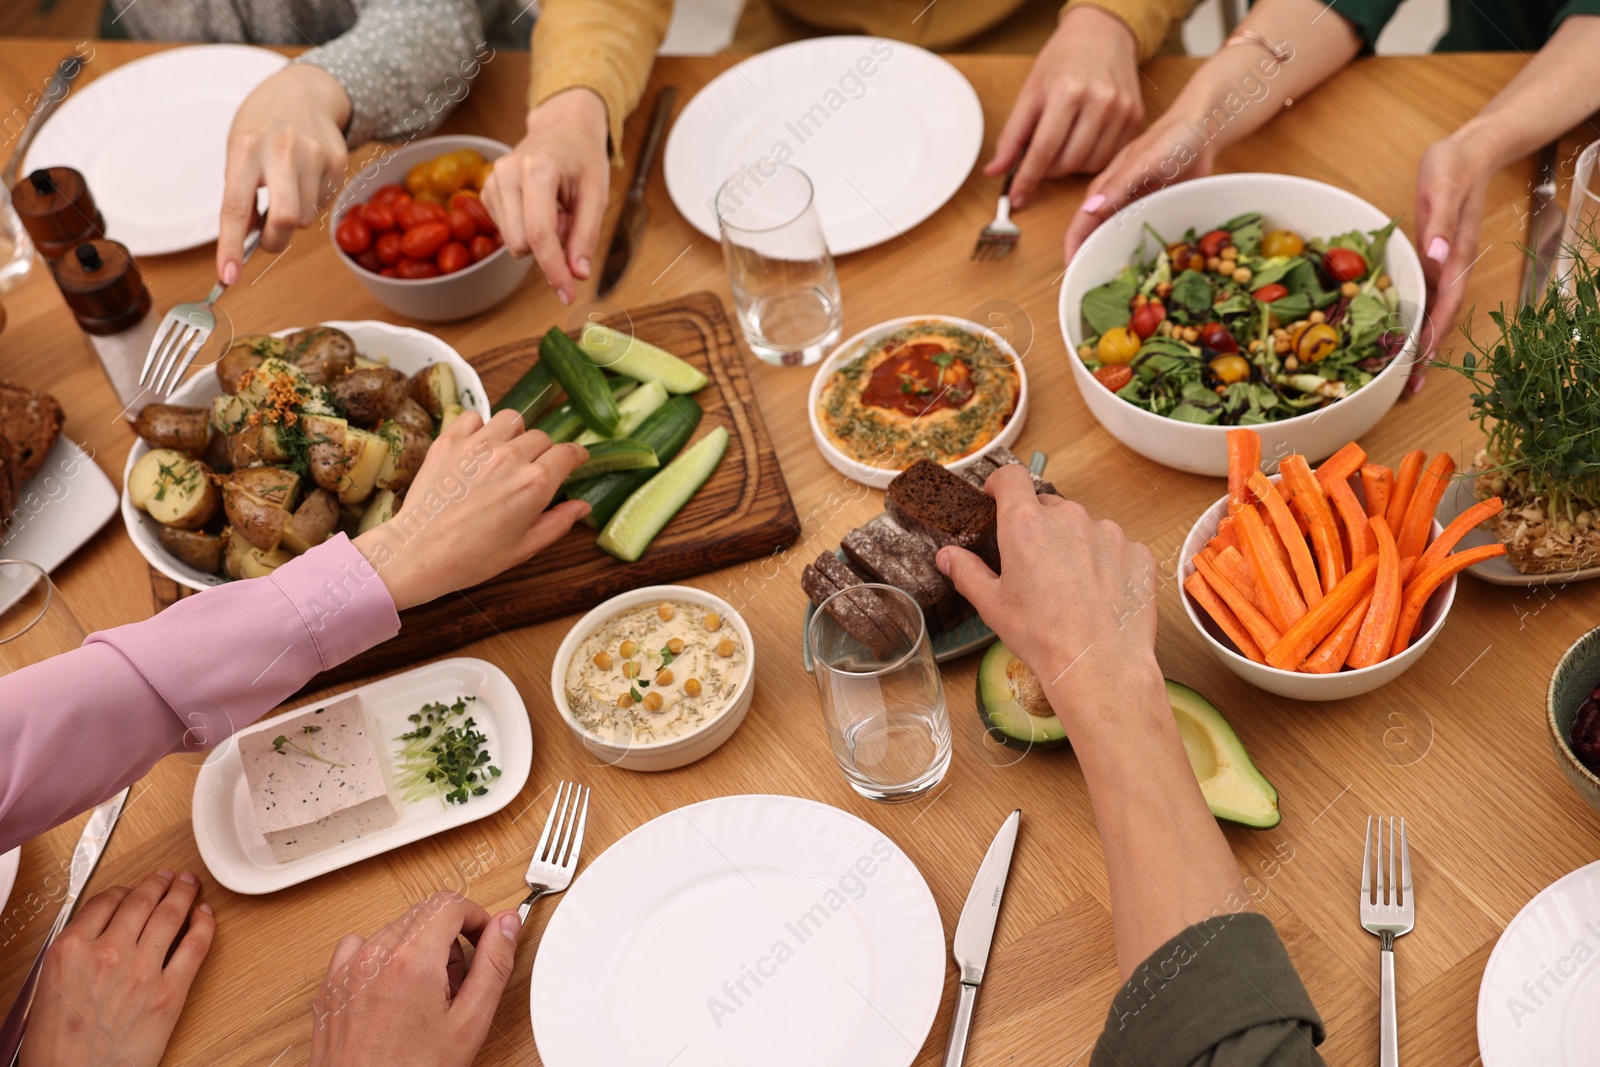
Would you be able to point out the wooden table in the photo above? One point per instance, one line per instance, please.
(1457, 745)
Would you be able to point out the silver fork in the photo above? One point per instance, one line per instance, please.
(1387, 910)
(184, 332)
(555, 860)
(1000, 236)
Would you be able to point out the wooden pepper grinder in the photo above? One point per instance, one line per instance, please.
(57, 210)
(107, 295)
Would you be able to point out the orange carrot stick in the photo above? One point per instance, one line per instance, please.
(1309, 501)
(1377, 482)
(1335, 648)
(1412, 536)
(1244, 456)
(1225, 619)
(1342, 465)
(1262, 632)
(1225, 535)
(1427, 580)
(1405, 483)
(1357, 537)
(1376, 638)
(1459, 527)
(1278, 597)
(1232, 566)
(1298, 642)
(1294, 542)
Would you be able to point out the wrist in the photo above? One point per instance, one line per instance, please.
(385, 559)
(577, 103)
(326, 92)
(1487, 141)
(1097, 694)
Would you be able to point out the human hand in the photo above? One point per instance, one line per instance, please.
(1080, 104)
(549, 193)
(286, 136)
(405, 998)
(477, 507)
(1076, 600)
(1452, 180)
(108, 995)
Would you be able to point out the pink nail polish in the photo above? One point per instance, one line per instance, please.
(583, 266)
(230, 273)
(511, 926)
(563, 296)
(1438, 250)
(1093, 204)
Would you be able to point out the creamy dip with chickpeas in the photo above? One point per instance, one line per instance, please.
(655, 672)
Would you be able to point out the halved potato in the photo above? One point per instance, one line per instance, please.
(364, 456)
(246, 353)
(411, 415)
(363, 361)
(320, 428)
(257, 501)
(178, 426)
(324, 353)
(243, 560)
(252, 446)
(369, 395)
(272, 484)
(451, 414)
(200, 550)
(434, 387)
(146, 474)
(229, 413)
(379, 510)
(312, 522)
(259, 388)
(407, 449)
(174, 489)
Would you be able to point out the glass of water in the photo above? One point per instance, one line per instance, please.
(16, 247)
(784, 286)
(883, 704)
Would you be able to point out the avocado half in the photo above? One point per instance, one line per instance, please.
(1012, 703)
(1234, 790)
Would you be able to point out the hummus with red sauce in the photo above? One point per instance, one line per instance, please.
(932, 390)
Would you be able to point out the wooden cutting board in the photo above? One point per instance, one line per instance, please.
(743, 512)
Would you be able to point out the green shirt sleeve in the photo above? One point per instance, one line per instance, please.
(1369, 17)
(1223, 993)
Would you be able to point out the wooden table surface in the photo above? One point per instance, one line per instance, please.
(1457, 745)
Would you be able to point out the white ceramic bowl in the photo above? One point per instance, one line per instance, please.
(1308, 207)
(450, 296)
(1293, 684)
(402, 347)
(880, 477)
(676, 751)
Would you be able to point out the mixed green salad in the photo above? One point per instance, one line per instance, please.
(1239, 326)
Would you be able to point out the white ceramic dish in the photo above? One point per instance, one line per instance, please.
(225, 826)
(58, 510)
(886, 131)
(151, 137)
(9, 862)
(1498, 571)
(830, 928)
(450, 296)
(850, 348)
(1308, 207)
(401, 347)
(1293, 684)
(1536, 1004)
(676, 751)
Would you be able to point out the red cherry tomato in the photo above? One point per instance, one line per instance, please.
(423, 241)
(418, 212)
(475, 210)
(369, 260)
(462, 226)
(1268, 293)
(387, 249)
(378, 217)
(389, 272)
(482, 247)
(1345, 264)
(387, 195)
(453, 257)
(1214, 242)
(415, 268)
(1114, 378)
(353, 236)
(1146, 317)
(1216, 337)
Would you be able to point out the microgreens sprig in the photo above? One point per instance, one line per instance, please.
(306, 749)
(444, 758)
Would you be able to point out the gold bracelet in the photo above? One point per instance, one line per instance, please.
(1280, 53)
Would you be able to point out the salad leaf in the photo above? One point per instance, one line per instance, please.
(1292, 307)
(1236, 304)
(1192, 292)
(1240, 221)
(1275, 270)
(1378, 249)
(1105, 307)
(1367, 317)
(1246, 231)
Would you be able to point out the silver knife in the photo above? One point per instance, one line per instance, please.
(1545, 223)
(630, 223)
(91, 846)
(975, 932)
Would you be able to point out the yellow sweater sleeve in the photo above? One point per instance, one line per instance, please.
(1150, 20)
(604, 45)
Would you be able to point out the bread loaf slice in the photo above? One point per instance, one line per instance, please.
(861, 613)
(999, 456)
(927, 499)
(8, 489)
(887, 552)
(30, 421)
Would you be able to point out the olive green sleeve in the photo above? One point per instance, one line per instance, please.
(1571, 8)
(1221, 994)
(1369, 17)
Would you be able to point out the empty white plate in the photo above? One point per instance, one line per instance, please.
(58, 509)
(1536, 1006)
(744, 930)
(886, 131)
(8, 873)
(151, 137)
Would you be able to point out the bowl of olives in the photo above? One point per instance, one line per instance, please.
(1573, 716)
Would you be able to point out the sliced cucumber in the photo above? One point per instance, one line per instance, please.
(624, 354)
(653, 505)
(637, 407)
(666, 431)
(534, 392)
(582, 379)
(612, 455)
(564, 423)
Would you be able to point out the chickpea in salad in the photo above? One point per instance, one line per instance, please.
(1239, 325)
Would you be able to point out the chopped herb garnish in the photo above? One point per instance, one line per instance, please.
(279, 742)
(443, 757)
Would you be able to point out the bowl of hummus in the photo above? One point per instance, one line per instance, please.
(656, 677)
(921, 387)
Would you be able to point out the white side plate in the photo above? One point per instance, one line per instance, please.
(8, 873)
(225, 827)
(1497, 571)
(58, 510)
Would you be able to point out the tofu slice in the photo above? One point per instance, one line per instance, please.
(307, 805)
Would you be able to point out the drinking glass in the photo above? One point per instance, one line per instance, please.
(883, 707)
(1583, 213)
(784, 287)
(35, 622)
(16, 247)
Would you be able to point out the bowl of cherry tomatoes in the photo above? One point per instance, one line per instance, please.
(413, 228)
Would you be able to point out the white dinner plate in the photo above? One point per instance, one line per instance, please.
(151, 137)
(1458, 497)
(229, 836)
(884, 149)
(8, 873)
(58, 509)
(1536, 1006)
(744, 930)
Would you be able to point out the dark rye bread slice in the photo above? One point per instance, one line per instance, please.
(855, 612)
(999, 456)
(887, 552)
(8, 489)
(927, 499)
(30, 421)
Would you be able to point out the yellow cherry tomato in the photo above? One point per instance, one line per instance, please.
(1315, 341)
(1117, 347)
(481, 177)
(448, 173)
(419, 178)
(1282, 243)
(1231, 369)
(470, 158)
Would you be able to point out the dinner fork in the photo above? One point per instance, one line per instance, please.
(1387, 910)
(555, 859)
(185, 330)
(1000, 236)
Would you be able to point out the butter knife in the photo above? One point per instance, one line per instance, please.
(91, 846)
(1545, 223)
(630, 223)
(55, 91)
(975, 933)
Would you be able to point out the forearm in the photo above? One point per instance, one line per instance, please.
(1550, 95)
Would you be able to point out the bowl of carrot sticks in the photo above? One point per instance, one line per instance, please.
(1321, 584)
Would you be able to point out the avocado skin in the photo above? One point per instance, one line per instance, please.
(1242, 795)
(1003, 715)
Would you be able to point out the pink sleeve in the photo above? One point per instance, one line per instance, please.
(79, 727)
